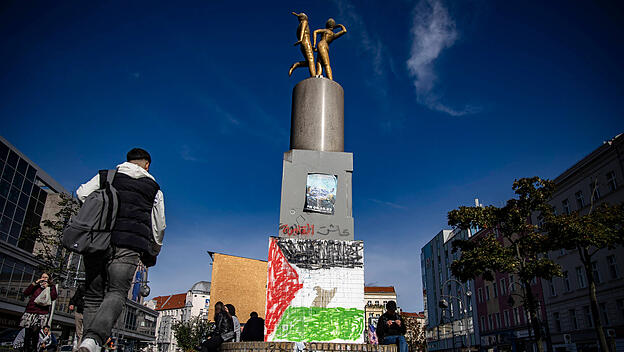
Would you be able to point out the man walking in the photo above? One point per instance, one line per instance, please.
(76, 304)
(390, 328)
(137, 234)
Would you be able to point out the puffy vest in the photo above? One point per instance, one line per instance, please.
(133, 227)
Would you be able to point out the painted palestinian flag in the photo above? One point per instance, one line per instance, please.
(315, 290)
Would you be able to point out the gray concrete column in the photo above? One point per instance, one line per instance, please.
(317, 120)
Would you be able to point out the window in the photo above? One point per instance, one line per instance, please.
(487, 293)
(498, 321)
(580, 201)
(495, 289)
(512, 284)
(480, 295)
(620, 307)
(611, 181)
(613, 273)
(503, 287)
(490, 322)
(506, 317)
(588, 318)
(595, 272)
(580, 275)
(604, 313)
(573, 321)
(483, 327)
(553, 292)
(566, 206)
(516, 316)
(566, 281)
(595, 191)
(557, 321)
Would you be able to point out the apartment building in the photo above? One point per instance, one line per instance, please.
(448, 304)
(597, 178)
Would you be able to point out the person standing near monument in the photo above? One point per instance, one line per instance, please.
(237, 331)
(136, 235)
(42, 292)
(391, 329)
(253, 329)
(76, 305)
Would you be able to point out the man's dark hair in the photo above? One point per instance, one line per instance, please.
(253, 315)
(138, 154)
(47, 326)
(391, 305)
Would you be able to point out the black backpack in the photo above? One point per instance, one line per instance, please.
(89, 231)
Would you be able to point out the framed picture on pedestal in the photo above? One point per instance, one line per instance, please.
(321, 193)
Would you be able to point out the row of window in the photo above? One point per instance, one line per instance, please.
(502, 288)
(576, 317)
(370, 303)
(510, 318)
(581, 280)
(594, 188)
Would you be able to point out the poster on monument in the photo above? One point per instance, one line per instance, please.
(321, 193)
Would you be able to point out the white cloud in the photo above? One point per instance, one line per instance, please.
(433, 30)
(386, 203)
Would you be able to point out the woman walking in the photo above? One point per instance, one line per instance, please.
(41, 292)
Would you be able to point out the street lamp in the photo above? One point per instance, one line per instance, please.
(444, 304)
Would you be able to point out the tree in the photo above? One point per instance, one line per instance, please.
(48, 250)
(191, 333)
(415, 334)
(600, 228)
(518, 249)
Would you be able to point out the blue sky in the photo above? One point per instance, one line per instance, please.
(444, 102)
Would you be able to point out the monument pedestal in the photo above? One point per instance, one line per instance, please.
(315, 286)
(299, 215)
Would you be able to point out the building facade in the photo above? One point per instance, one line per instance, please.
(178, 308)
(447, 323)
(502, 320)
(28, 195)
(597, 178)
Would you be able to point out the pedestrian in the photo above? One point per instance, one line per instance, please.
(237, 330)
(76, 305)
(41, 292)
(253, 329)
(47, 340)
(391, 329)
(223, 330)
(137, 234)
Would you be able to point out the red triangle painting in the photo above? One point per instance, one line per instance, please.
(283, 285)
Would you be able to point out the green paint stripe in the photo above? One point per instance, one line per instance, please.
(320, 324)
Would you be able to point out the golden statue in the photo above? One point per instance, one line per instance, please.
(327, 36)
(303, 36)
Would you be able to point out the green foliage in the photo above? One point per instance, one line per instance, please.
(601, 228)
(520, 250)
(415, 334)
(53, 258)
(191, 333)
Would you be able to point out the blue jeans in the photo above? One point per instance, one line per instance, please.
(109, 277)
(396, 340)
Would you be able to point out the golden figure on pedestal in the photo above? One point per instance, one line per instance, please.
(303, 36)
(307, 49)
(327, 36)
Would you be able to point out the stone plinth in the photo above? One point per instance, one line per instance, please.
(317, 119)
(296, 219)
(309, 346)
